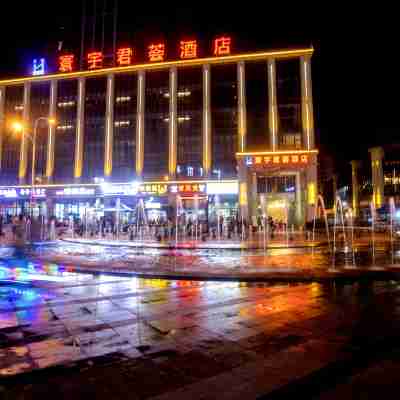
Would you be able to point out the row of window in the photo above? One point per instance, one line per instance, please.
(189, 108)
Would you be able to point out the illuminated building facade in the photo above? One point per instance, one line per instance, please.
(234, 131)
(376, 180)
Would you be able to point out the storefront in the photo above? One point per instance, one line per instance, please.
(151, 201)
(280, 185)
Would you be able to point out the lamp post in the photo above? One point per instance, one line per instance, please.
(19, 127)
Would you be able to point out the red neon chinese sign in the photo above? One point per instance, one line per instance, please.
(188, 49)
(66, 63)
(156, 52)
(95, 60)
(222, 46)
(124, 56)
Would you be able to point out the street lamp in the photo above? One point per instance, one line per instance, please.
(19, 127)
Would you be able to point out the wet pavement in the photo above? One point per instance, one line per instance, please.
(86, 335)
(382, 261)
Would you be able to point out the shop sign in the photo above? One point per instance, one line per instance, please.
(188, 188)
(76, 191)
(222, 188)
(121, 190)
(9, 193)
(15, 193)
(40, 192)
(153, 189)
(278, 159)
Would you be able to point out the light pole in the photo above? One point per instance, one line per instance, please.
(19, 127)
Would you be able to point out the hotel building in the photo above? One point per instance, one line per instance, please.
(232, 134)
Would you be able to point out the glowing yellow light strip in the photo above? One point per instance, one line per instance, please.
(206, 120)
(306, 101)
(79, 130)
(71, 185)
(262, 153)
(23, 163)
(241, 105)
(52, 128)
(140, 123)
(172, 122)
(168, 64)
(108, 150)
(272, 102)
(2, 97)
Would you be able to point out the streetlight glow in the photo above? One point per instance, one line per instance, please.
(17, 126)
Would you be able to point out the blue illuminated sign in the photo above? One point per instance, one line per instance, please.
(249, 160)
(39, 66)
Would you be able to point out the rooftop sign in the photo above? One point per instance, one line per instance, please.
(125, 56)
(67, 66)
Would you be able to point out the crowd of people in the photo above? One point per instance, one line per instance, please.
(161, 228)
(166, 228)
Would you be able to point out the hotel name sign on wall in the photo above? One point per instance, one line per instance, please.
(125, 56)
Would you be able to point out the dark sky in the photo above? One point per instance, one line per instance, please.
(355, 64)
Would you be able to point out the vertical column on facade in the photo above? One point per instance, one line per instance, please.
(23, 158)
(312, 187)
(80, 129)
(307, 114)
(52, 131)
(140, 110)
(109, 127)
(243, 175)
(207, 149)
(355, 165)
(242, 125)
(2, 120)
(377, 175)
(299, 191)
(173, 134)
(272, 105)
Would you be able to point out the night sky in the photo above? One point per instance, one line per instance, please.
(355, 65)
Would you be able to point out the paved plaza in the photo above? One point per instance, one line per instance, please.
(86, 336)
(222, 261)
(87, 319)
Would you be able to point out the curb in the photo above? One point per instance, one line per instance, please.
(201, 247)
(348, 276)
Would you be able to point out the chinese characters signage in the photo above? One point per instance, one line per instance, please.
(156, 52)
(125, 56)
(188, 188)
(188, 49)
(76, 191)
(153, 189)
(277, 159)
(66, 63)
(14, 193)
(109, 189)
(222, 46)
